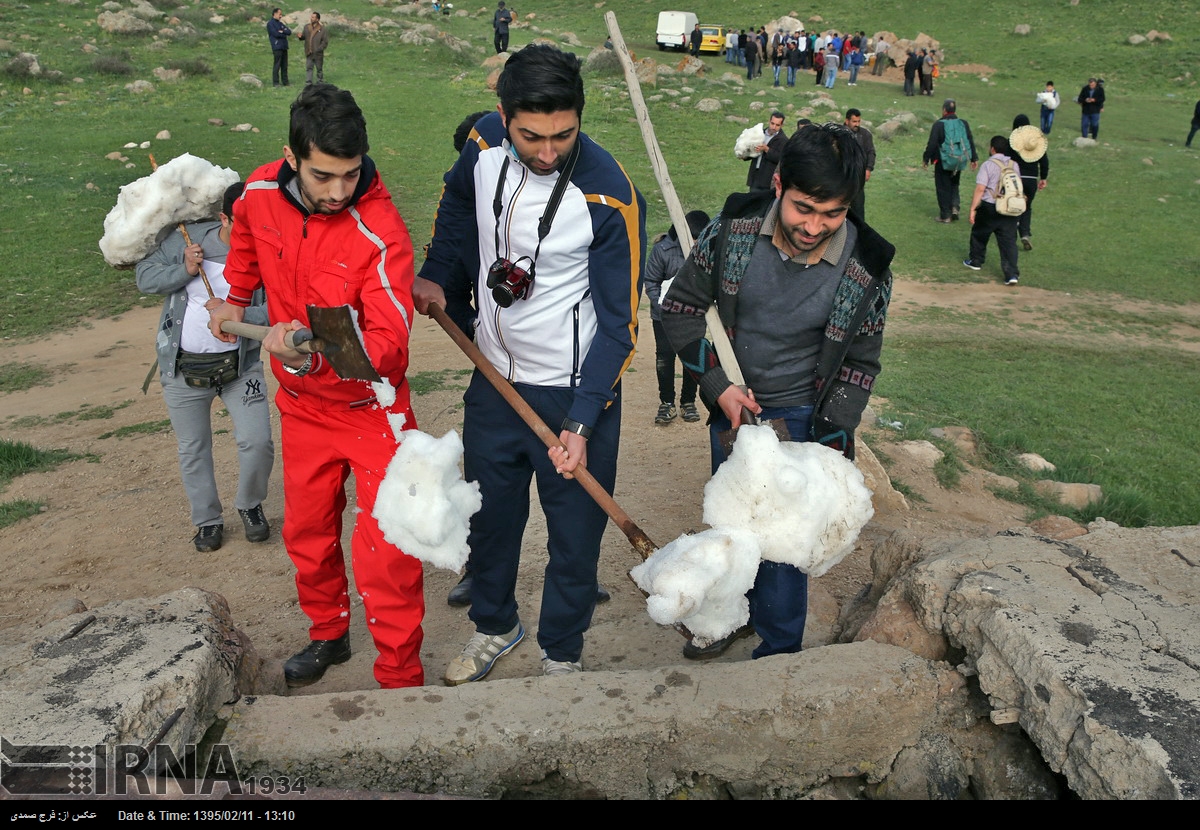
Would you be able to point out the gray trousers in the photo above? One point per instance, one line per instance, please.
(315, 61)
(191, 418)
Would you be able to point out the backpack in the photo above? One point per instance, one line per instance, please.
(955, 151)
(1010, 193)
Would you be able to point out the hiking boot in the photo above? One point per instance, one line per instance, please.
(255, 522)
(460, 594)
(717, 647)
(481, 653)
(666, 413)
(690, 413)
(971, 265)
(309, 665)
(1027, 243)
(556, 668)
(208, 538)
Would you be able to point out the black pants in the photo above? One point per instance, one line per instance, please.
(1026, 218)
(501, 42)
(664, 365)
(946, 184)
(279, 68)
(987, 223)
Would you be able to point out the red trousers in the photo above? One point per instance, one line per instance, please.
(322, 444)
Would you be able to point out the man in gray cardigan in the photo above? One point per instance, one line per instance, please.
(195, 367)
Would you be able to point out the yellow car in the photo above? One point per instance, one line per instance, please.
(714, 39)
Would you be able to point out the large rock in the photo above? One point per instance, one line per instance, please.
(123, 23)
(776, 727)
(1093, 647)
(114, 675)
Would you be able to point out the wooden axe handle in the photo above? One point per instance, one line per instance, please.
(302, 340)
(640, 541)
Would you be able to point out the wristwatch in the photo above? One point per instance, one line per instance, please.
(303, 369)
(570, 425)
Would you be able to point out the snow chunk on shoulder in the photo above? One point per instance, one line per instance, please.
(424, 506)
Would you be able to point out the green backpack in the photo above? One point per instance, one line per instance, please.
(955, 150)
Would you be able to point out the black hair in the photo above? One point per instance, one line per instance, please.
(949, 105)
(232, 194)
(318, 14)
(853, 111)
(802, 122)
(463, 131)
(697, 220)
(276, 9)
(327, 119)
(541, 78)
(1021, 120)
(779, 115)
(823, 161)
(999, 144)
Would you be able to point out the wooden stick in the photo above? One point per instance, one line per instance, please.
(187, 239)
(716, 329)
(640, 541)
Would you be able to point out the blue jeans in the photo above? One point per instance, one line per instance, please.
(1090, 122)
(791, 76)
(1047, 120)
(779, 598)
(853, 73)
(830, 77)
(729, 56)
(776, 69)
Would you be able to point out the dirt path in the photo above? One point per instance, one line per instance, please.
(116, 524)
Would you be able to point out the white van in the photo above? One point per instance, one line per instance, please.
(675, 30)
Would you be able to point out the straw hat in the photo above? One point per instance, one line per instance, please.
(1028, 142)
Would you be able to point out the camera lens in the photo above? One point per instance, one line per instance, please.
(502, 295)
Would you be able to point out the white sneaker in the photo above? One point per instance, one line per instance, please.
(481, 653)
(554, 668)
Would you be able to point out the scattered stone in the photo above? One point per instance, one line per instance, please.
(250, 80)
(962, 438)
(123, 23)
(140, 86)
(241, 128)
(1034, 462)
(163, 135)
(91, 186)
(167, 75)
(690, 66)
(216, 122)
(1058, 527)
(646, 71)
(1021, 29)
(1148, 161)
(24, 65)
(1074, 495)
(922, 452)
(1156, 35)
(1135, 40)
(145, 145)
(756, 106)
(570, 39)
(130, 145)
(90, 48)
(708, 105)
(130, 166)
(998, 482)
(1080, 141)
(217, 19)
(115, 155)
(598, 62)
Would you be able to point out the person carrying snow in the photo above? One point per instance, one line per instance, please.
(318, 227)
(804, 287)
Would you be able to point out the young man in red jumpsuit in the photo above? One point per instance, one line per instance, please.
(318, 227)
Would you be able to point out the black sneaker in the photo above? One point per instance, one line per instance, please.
(1027, 243)
(971, 265)
(717, 647)
(666, 413)
(602, 594)
(460, 594)
(690, 413)
(209, 538)
(255, 522)
(309, 666)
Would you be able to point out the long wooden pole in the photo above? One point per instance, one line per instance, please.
(716, 329)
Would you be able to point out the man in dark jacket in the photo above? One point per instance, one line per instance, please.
(501, 20)
(316, 39)
(948, 165)
(804, 287)
(278, 33)
(1091, 102)
(697, 40)
(762, 166)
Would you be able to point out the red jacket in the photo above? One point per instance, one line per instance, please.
(361, 257)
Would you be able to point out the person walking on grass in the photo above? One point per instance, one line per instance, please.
(666, 258)
(986, 221)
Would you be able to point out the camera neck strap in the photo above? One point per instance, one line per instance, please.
(556, 195)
